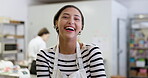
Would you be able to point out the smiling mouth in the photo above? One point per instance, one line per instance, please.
(69, 28)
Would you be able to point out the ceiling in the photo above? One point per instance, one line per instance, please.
(123, 2)
(57, 1)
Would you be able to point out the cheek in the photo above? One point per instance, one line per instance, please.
(80, 27)
(47, 37)
(61, 23)
(79, 24)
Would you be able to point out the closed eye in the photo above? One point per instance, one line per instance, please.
(65, 17)
(77, 18)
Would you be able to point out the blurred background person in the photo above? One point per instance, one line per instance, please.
(35, 45)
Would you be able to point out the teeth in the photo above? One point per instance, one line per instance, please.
(69, 28)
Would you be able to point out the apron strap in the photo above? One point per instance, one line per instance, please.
(55, 62)
(79, 57)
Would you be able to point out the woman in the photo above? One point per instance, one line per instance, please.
(70, 58)
(36, 44)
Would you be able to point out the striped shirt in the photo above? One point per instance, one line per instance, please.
(91, 56)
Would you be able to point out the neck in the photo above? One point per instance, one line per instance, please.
(67, 46)
(43, 38)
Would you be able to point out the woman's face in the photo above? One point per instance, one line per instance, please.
(45, 37)
(69, 23)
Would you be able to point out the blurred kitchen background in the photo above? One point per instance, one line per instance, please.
(118, 27)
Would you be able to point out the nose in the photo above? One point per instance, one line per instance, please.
(71, 21)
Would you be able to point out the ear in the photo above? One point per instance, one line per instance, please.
(79, 33)
(56, 23)
(56, 26)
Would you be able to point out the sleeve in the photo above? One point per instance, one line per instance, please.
(42, 46)
(42, 65)
(31, 53)
(97, 69)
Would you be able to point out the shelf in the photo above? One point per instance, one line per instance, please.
(138, 28)
(10, 52)
(138, 67)
(137, 54)
(140, 48)
(14, 24)
(11, 36)
(12, 32)
(138, 77)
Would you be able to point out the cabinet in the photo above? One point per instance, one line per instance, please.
(138, 49)
(12, 40)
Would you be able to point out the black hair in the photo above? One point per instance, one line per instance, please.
(56, 17)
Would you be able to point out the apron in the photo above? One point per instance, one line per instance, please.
(81, 73)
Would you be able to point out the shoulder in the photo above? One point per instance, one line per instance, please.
(48, 52)
(89, 49)
(92, 53)
(36, 40)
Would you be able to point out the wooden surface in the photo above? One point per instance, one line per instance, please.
(118, 77)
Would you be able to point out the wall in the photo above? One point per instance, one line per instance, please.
(97, 27)
(138, 7)
(135, 6)
(15, 9)
(119, 12)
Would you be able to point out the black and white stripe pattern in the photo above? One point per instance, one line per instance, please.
(91, 56)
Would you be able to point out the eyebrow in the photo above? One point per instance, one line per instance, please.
(69, 14)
